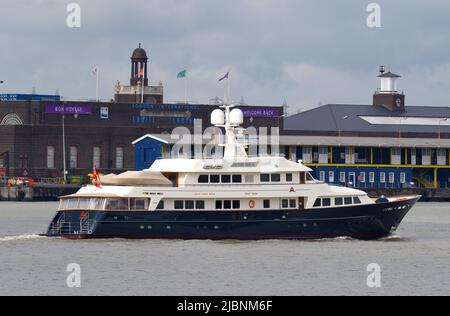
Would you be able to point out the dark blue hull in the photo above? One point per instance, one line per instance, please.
(361, 222)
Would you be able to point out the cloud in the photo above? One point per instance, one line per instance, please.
(303, 51)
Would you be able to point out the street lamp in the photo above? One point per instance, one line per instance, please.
(64, 143)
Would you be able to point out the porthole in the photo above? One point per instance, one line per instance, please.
(149, 227)
(168, 227)
(244, 217)
(142, 227)
(305, 225)
(216, 227)
(315, 224)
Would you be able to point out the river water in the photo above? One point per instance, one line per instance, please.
(416, 261)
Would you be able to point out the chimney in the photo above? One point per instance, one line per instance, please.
(387, 95)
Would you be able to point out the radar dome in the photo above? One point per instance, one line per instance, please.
(236, 117)
(217, 117)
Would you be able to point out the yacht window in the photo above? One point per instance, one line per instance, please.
(326, 202)
(63, 204)
(226, 178)
(116, 204)
(317, 203)
(179, 205)
(189, 205)
(347, 200)
(265, 177)
(236, 204)
(356, 200)
(137, 204)
(84, 204)
(160, 205)
(289, 177)
(237, 178)
(309, 177)
(338, 201)
(97, 204)
(249, 178)
(219, 204)
(275, 177)
(266, 203)
(292, 203)
(72, 204)
(203, 178)
(200, 205)
(284, 203)
(227, 204)
(215, 178)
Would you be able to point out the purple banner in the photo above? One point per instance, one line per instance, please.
(72, 108)
(262, 112)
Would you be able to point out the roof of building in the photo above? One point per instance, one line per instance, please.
(370, 118)
(139, 53)
(389, 75)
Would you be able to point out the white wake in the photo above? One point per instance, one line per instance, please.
(20, 237)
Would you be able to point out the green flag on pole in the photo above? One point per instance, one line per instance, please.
(182, 74)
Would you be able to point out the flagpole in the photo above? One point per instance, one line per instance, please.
(228, 88)
(142, 90)
(96, 88)
(185, 89)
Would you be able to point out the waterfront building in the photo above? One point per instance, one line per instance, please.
(34, 131)
(383, 145)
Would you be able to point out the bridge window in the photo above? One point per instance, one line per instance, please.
(204, 178)
(226, 178)
(338, 201)
(265, 177)
(200, 205)
(228, 204)
(318, 203)
(289, 177)
(347, 200)
(237, 178)
(326, 202)
(214, 178)
(138, 204)
(160, 205)
(292, 203)
(356, 200)
(116, 204)
(179, 205)
(275, 177)
(189, 204)
(266, 203)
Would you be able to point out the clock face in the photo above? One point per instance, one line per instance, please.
(398, 102)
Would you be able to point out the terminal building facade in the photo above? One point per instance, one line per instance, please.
(383, 145)
(386, 144)
(35, 129)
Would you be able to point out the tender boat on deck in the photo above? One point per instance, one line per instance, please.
(235, 197)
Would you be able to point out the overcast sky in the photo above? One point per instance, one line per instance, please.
(307, 52)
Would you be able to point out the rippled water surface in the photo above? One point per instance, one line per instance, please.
(415, 261)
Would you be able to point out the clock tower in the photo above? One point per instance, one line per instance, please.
(388, 96)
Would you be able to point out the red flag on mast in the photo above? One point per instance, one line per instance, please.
(141, 73)
(96, 177)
